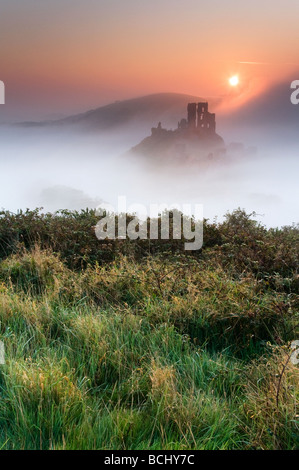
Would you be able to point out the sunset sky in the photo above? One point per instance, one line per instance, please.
(64, 56)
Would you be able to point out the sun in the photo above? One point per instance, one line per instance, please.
(234, 81)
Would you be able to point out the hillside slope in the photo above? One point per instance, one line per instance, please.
(143, 111)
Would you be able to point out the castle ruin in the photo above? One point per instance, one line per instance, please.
(199, 119)
(199, 122)
(195, 136)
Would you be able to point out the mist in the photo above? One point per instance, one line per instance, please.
(64, 168)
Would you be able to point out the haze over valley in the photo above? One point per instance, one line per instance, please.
(82, 160)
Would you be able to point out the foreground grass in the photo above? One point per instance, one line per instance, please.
(172, 353)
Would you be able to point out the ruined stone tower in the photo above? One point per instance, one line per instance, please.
(191, 115)
(199, 118)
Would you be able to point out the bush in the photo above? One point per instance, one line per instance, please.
(33, 271)
(138, 345)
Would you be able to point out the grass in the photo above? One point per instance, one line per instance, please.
(165, 351)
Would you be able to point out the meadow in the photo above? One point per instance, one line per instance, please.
(141, 345)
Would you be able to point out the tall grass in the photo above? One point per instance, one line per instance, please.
(158, 352)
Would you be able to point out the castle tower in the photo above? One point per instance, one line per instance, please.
(212, 122)
(205, 120)
(202, 115)
(192, 115)
(200, 119)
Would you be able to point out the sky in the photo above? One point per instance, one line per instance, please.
(64, 56)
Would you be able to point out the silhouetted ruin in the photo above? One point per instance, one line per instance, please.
(193, 141)
(206, 122)
(194, 137)
(199, 120)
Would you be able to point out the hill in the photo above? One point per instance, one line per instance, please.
(143, 111)
(270, 115)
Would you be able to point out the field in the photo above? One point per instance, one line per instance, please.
(139, 345)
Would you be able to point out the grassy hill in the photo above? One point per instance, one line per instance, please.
(145, 110)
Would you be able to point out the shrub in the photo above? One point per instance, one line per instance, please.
(33, 271)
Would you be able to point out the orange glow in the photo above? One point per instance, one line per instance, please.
(62, 59)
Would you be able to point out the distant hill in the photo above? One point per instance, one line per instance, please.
(271, 114)
(144, 112)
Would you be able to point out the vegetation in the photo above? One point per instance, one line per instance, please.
(140, 345)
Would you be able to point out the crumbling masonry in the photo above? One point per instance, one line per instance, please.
(200, 119)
